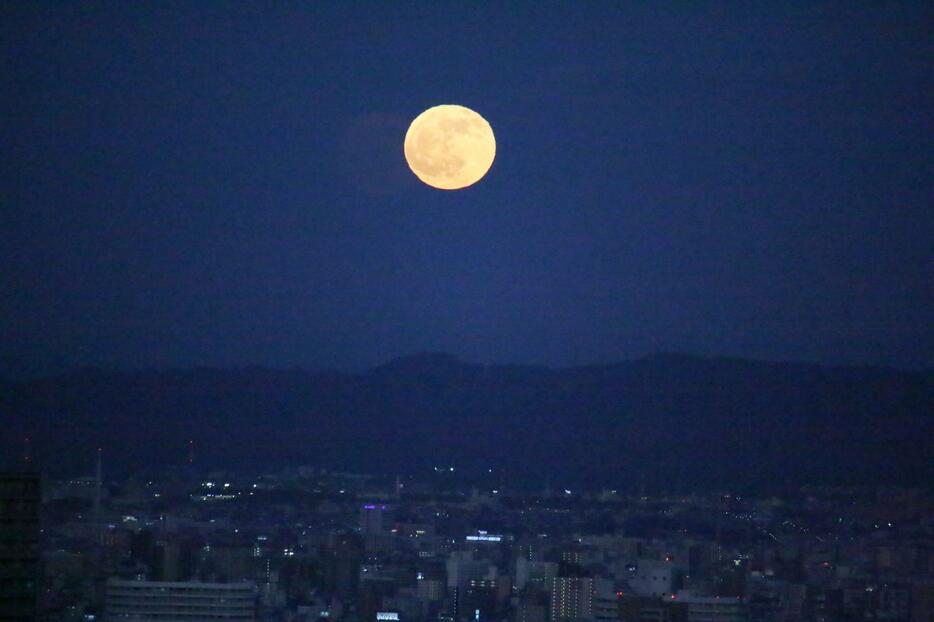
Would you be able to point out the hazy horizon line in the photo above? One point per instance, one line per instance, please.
(50, 371)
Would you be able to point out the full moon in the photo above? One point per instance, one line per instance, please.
(450, 147)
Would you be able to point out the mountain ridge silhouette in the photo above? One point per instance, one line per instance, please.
(673, 420)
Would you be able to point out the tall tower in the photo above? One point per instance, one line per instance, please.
(191, 452)
(98, 482)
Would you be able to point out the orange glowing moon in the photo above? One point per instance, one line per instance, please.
(450, 147)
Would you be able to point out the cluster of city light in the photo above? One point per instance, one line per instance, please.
(483, 536)
(214, 497)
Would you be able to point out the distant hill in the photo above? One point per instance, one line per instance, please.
(668, 420)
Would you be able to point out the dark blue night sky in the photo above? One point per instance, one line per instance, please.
(208, 183)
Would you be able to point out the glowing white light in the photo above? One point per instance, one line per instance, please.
(484, 537)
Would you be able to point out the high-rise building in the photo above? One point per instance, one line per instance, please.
(462, 568)
(19, 546)
(605, 600)
(713, 608)
(656, 578)
(538, 572)
(469, 579)
(152, 601)
(342, 564)
(371, 519)
(532, 607)
(430, 583)
(632, 607)
(571, 598)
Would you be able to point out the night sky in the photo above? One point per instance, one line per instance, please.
(204, 183)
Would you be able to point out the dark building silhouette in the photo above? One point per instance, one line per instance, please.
(189, 601)
(19, 546)
(343, 565)
(652, 608)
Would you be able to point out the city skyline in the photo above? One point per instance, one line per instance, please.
(466, 311)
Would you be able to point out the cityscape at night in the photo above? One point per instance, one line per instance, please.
(307, 543)
(440, 311)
